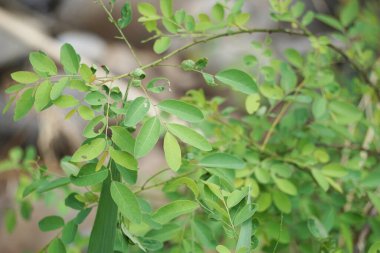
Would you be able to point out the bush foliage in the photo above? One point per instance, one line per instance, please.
(296, 171)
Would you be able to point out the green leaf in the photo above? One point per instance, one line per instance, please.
(330, 21)
(69, 168)
(217, 12)
(24, 104)
(56, 246)
(173, 210)
(181, 109)
(188, 182)
(238, 80)
(66, 101)
(349, 12)
(245, 236)
(14, 88)
(294, 57)
(172, 152)
(375, 247)
(319, 107)
(126, 16)
(161, 45)
(147, 137)
(69, 232)
(50, 223)
(42, 63)
(123, 158)
(86, 73)
(286, 186)
(89, 150)
(136, 111)
(42, 96)
(69, 59)
(48, 186)
(123, 139)
(222, 249)
(88, 175)
(166, 8)
(375, 199)
(321, 179)
(58, 87)
(126, 201)
(95, 127)
(95, 98)
(204, 234)
(252, 103)
(235, 198)
(222, 160)
(85, 112)
(316, 228)
(147, 9)
(24, 77)
(288, 78)
(189, 136)
(282, 201)
(244, 214)
(10, 219)
(344, 113)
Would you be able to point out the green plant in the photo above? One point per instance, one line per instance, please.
(298, 172)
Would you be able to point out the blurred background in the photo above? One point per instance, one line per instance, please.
(27, 25)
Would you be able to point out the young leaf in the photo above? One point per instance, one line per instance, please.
(89, 150)
(24, 77)
(147, 9)
(189, 136)
(123, 139)
(86, 73)
(66, 101)
(222, 160)
(173, 210)
(126, 16)
(136, 111)
(42, 96)
(252, 103)
(24, 104)
(222, 249)
(161, 45)
(69, 59)
(172, 152)
(294, 57)
(126, 201)
(123, 158)
(50, 223)
(85, 112)
(147, 137)
(238, 80)
(181, 109)
(42, 63)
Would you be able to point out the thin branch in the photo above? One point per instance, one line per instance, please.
(113, 21)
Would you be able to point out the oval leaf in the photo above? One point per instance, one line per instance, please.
(222, 160)
(238, 80)
(136, 111)
(181, 109)
(173, 210)
(69, 59)
(147, 137)
(189, 136)
(126, 201)
(89, 150)
(172, 152)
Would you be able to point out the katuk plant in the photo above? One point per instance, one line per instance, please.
(297, 172)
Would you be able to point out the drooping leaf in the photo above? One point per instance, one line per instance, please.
(126, 201)
(90, 150)
(238, 80)
(69, 59)
(147, 137)
(126, 16)
(24, 104)
(136, 111)
(174, 209)
(189, 136)
(42, 96)
(172, 152)
(181, 109)
(222, 160)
